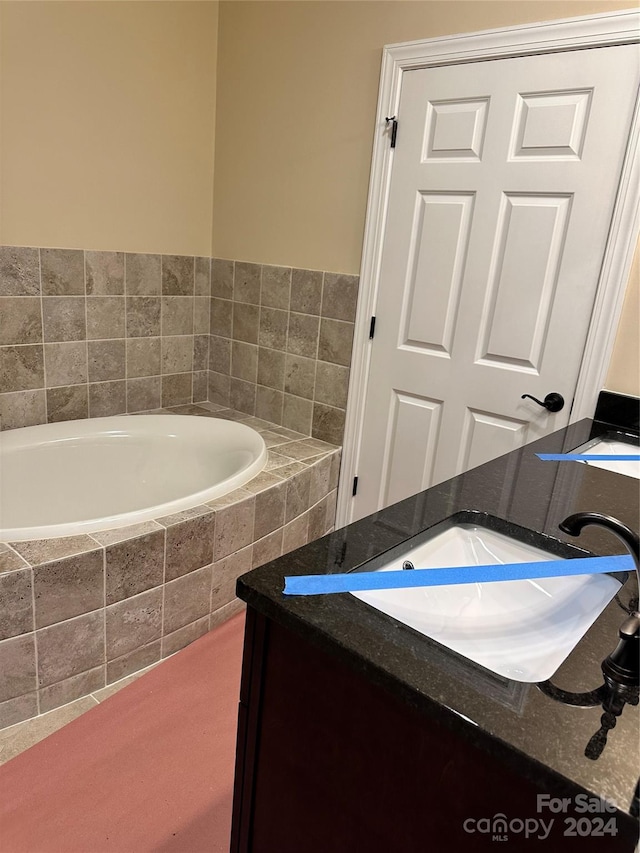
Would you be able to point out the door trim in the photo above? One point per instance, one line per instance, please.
(609, 29)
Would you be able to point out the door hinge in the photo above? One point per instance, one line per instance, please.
(372, 327)
(394, 129)
(355, 487)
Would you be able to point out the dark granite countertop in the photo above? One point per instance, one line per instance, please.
(542, 738)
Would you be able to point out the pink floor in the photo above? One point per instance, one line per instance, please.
(150, 768)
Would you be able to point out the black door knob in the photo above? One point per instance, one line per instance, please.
(552, 402)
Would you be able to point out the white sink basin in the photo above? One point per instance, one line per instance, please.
(522, 630)
(608, 446)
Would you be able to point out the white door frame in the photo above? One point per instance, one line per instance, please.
(609, 29)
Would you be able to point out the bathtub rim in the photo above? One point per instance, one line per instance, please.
(158, 511)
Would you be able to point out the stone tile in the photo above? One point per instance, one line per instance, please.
(295, 534)
(68, 587)
(317, 520)
(20, 737)
(143, 275)
(300, 374)
(20, 320)
(269, 511)
(39, 551)
(202, 285)
(65, 363)
(177, 315)
(133, 623)
(332, 384)
(10, 561)
(105, 317)
(335, 470)
(273, 328)
(177, 354)
(332, 506)
(303, 335)
(263, 481)
(335, 342)
(130, 663)
(271, 368)
(16, 611)
(172, 643)
(176, 389)
(200, 384)
(275, 461)
(143, 394)
(116, 686)
(306, 291)
(221, 278)
(225, 574)
(223, 614)
(328, 423)
(242, 395)
(234, 528)
(231, 498)
(246, 322)
(70, 648)
(220, 354)
(273, 439)
(106, 360)
(186, 599)
(200, 352)
(190, 545)
(298, 489)
(62, 272)
(14, 711)
(64, 318)
(201, 311)
(244, 361)
(258, 424)
(221, 318)
(18, 667)
(143, 316)
(133, 565)
(184, 514)
(105, 273)
(70, 689)
(21, 368)
(266, 549)
(340, 296)
(219, 388)
(276, 287)
(304, 449)
(107, 399)
(297, 413)
(19, 271)
(143, 357)
(22, 408)
(178, 275)
(290, 434)
(246, 283)
(68, 403)
(122, 534)
(320, 480)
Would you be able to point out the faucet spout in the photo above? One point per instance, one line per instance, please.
(574, 525)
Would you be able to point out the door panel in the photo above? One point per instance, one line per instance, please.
(502, 188)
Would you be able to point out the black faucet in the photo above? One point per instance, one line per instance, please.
(621, 669)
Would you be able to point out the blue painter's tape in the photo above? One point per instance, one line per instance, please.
(589, 457)
(357, 581)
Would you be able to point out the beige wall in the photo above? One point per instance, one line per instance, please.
(107, 113)
(624, 367)
(297, 91)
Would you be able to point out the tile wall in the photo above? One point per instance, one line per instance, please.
(280, 345)
(90, 334)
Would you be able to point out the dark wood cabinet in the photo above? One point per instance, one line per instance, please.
(328, 762)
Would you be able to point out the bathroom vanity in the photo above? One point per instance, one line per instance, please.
(356, 732)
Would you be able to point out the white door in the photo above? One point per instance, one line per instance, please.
(502, 188)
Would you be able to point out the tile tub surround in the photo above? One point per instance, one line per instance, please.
(91, 334)
(82, 612)
(281, 342)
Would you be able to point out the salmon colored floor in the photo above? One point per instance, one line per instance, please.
(149, 769)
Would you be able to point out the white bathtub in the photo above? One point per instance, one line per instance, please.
(82, 476)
